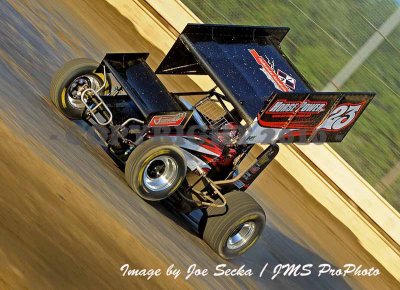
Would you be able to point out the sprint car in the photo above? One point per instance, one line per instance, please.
(187, 148)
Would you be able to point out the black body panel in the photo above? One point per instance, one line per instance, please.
(140, 82)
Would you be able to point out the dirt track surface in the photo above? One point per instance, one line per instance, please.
(67, 218)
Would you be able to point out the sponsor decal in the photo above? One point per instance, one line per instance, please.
(239, 184)
(250, 138)
(282, 106)
(167, 120)
(254, 169)
(288, 80)
(281, 80)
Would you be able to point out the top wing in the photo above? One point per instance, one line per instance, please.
(244, 61)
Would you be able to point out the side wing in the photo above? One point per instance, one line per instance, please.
(306, 117)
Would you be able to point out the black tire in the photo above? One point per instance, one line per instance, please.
(221, 223)
(142, 163)
(61, 80)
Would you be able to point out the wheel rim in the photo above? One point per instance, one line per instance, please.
(241, 236)
(78, 85)
(160, 173)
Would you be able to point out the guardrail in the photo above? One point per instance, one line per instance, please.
(322, 172)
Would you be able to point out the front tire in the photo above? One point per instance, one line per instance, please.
(155, 169)
(60, 95)
(232, 230)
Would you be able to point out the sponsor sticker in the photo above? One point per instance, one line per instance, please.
(281, 80)
(167, 120)
(304, 107)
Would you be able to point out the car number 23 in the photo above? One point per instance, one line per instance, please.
(341, 117)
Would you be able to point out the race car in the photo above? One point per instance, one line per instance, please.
(187, 148)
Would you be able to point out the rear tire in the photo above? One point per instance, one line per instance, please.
(64, 77)
(155, 169)
(233, 229)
